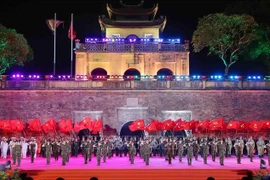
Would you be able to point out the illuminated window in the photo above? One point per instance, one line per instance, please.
(115, 35)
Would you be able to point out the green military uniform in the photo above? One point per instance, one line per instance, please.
(32, 149)
(76, 146)
(64, 152)
(48, 152)
(169, 152)
(196, 149)
(18, 152)
(56, 150)
(99, 153)
(260, 147)
(180, 150)
(91, 149)
(221, 151)
(13, 153)
(69, 149)
(104, 150)
(132, 152)
(213, 150)
(189, 153)
(147, 152)
(205, 150)
(238, 151)
(251, 146)
(86, 151)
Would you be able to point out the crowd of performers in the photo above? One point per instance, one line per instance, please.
(146, 147)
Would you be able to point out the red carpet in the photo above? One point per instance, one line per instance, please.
(118, 168)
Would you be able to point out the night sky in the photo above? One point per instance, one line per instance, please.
(29, 18)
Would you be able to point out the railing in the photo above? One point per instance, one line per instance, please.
(130, 47)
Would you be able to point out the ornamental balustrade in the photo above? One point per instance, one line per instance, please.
(131, 47)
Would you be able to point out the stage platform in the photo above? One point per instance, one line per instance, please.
(119, 168)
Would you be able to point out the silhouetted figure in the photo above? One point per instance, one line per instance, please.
(29, 178)
(262, 164)
(211, 178)
(93, 178)
(60, 178)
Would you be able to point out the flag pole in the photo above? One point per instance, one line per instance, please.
(54, 44)
(71, 46)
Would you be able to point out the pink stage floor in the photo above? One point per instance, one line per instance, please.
(123, 163)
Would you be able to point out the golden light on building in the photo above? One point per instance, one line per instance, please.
(132, 46)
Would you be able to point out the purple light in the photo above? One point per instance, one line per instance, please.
(51, 76)
(30, 76)
(34, 76)
(68, 76)
(18, 75)
(13, 76)
(38, 77)
(59, 77)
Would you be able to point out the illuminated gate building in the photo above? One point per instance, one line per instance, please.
(131, 45)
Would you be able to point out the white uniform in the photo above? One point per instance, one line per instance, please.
(4, 149)
(24, 149)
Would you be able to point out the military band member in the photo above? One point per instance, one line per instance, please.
(214, 149)
(32, 149)
(105, 149)
(250, 146)
(242, 145)
(76, 146)
(221, 151)
(260, 147)
(56, 149)
(99, 153)
(132, 152)
(64, 152)
(147, 152)
(238, 151)
(85, 146)
(18, 152)
(229, 146)
(189, 148)
(205, 150)
(180, 146)
(169, 150)
(48, 151)
(196, 148)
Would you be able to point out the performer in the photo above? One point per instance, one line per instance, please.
(99, 153)
(4, 147)
(18, 153)
(147, 152)
(221, 151)
(189, 148)
(250, 146)
(32, 149)
(64, 152)
(181, 146)
(242, 145)
(268, 151)
(56, 149)
(196, 148)
(169, 151)
(48, 151)
(214, 149)
(12, 146)
(76, 146)
(205, 150)
(238, 150)
(85, 146)
(132, 152)
(24, 147)
(69, 148)
(229, 146)
(260, 147)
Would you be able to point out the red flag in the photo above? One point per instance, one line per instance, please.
(203, 125)
(137, 125)
(6, 125)
(168, 125)
(65, 125)
(78, 126)
(216, 124)
(193, 125)
(34, 125)
(255, 126)
(17, 125)
(73, 35)
(50, 125)
(233, 125)
(265, 124)
(86, 123)
(52, 24)
(96, 126)
(153, 126)
(243, 125)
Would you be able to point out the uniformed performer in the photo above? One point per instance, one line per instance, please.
(221, 151)
(32, 149)
(238, 151)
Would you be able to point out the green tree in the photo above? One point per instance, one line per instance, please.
(224, 36)
(14, 49)
(259, 48)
